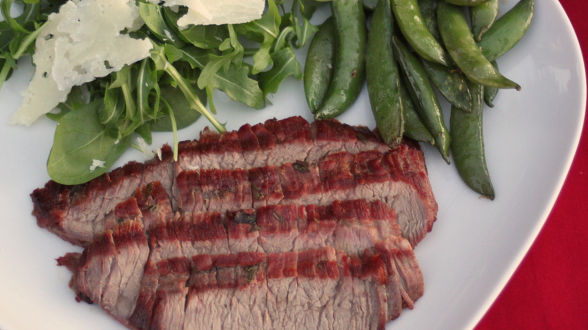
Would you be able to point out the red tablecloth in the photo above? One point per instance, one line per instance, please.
(549, 290)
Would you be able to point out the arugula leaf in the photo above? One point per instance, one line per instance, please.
(285, 64)
(183, 113)
(5, 6)
(265, 31)
(122, 80)
(303, 32)
(235, 82)
(161, 63)
(113, 107)
(201, 36)
(81, 149)
(146, 85)
(144, 131)
(267, 26)
(152, 16)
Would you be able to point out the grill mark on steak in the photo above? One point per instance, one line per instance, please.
(66, 210)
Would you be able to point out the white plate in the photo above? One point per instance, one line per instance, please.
(475, 245)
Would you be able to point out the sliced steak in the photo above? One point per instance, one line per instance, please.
(369, 175)
(71, 211)
(109, 271)
(349, 226)
(194, 259)
(319, 288)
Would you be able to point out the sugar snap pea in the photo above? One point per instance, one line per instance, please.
(489, 95)
(413, 126)
(318, 67)
(451, 83)
(507, 30)
(370, 4)
(348, 68)
(490, 92)
(465, 2)
(460, 43)
(467, 145)
(482, 17)
(424, 96)
(429, 11)
(383, 81)
(410, 21)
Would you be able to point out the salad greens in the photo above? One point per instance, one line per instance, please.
(168, 90)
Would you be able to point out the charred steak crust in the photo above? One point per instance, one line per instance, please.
(72, 211)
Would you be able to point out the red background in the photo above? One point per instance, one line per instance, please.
(549, 290)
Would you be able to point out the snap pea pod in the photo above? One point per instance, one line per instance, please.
(318, 67)
(463, 49)
(348, 69)
(465, 2)
(507, 30)
(410, 21)
(490, 92)
(429, 11)
(370, 4)
(451, 83)
(424, 96)
(467, 145)
(413, 126)
(383, 81)
(482, 17)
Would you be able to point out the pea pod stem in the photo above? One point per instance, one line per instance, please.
(383, 80)
(467, 145)
(349, 67)
(462, 47)
(413, 28)
(424, 96)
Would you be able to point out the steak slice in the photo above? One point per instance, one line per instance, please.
(64, 209)
(350, 226)
(109, 271)
(369, 175)
(319, 288)
(364, 234)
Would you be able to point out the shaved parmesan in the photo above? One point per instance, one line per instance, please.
(81, 42)
(206, 12)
